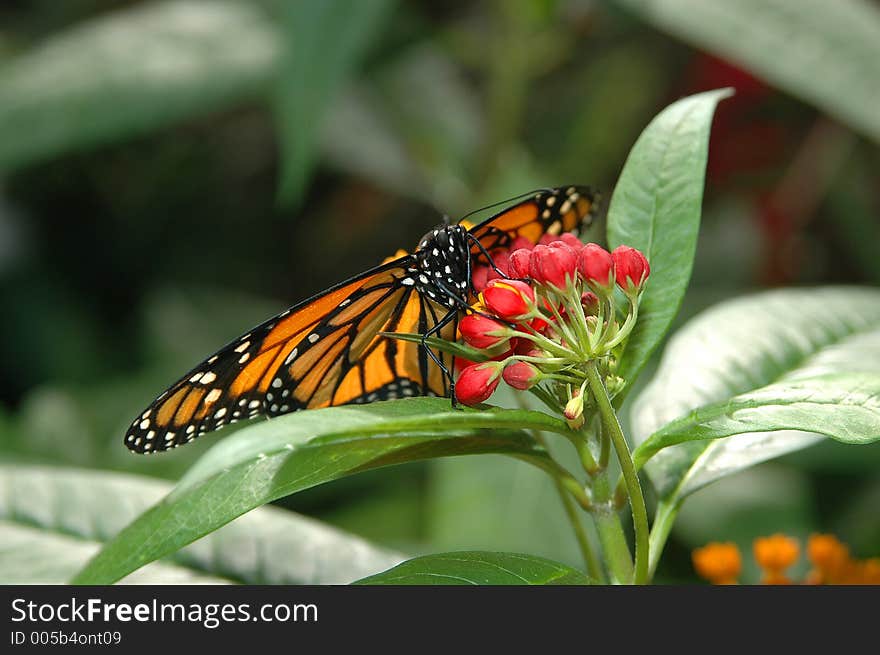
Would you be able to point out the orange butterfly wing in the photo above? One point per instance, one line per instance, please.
(324, 351)
(553, 212)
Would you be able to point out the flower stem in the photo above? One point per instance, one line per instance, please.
(594, 569)
(627, 327)
(614, 546)
(590, 559)
(663, 520)
(611, 428)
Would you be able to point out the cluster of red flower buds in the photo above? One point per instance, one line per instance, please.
(543, 312)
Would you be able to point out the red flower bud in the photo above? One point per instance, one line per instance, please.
(508, 299)
(597, 267)
(572, 241)
(519, 263)
(574, 410)
(553, 265)
(479, 278)
(521, 243)
(527, 348)
(475, 331)
(477, 382)
(501, 260)
(521, 375)
(631, 268)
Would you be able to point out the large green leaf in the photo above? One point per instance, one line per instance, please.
(133, 70)
(275, 458)
(843, 406)
(656, 208)
(826, 53)
(54, 519)
(325, 41)
(762, 347)
(478, 568)
(35, 556)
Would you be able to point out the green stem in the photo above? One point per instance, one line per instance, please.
(610, 530)
(583, 450)
(580, 319)
(611, 427)
(604, 448)
(590, 559)
(546, 344)
(545, 397)
(663, 520)
(628, 324)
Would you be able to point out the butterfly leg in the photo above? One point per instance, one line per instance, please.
(485, 252)
(451, 315)
(468, 309)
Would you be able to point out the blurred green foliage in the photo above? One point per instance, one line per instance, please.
(175, 171)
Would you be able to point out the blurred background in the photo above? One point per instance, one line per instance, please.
(173, 172)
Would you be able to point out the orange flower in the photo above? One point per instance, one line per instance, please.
(829, 557)
(719, 563)
(774, 554)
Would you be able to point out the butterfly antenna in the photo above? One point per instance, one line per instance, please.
(504, 202)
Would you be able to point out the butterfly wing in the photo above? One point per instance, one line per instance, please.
(323, 351)
(553, 212)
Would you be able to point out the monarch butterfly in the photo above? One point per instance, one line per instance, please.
(331, 349)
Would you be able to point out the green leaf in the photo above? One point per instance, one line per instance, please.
(35, 556)
(826, 53)
(53, 520)
(843, 406)
(326, 39)
(478, 568)
(275, 458)
(764, 347)
(656, 208)
(132, 71)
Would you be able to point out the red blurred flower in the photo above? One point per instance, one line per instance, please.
(572, 241)
(479, 278)
(508, 299)
(500, 258)
(553, 265)
(521, 243)
(519, 263)
(596, 266)
(475, 330)
(631, 268)
(477, 382)
(521, 375)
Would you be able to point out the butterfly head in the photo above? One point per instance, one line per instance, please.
(444, 258)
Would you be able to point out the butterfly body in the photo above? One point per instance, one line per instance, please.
(443, 263)
(331, 349)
